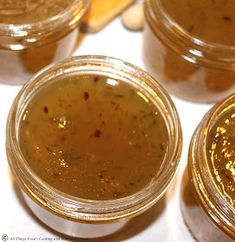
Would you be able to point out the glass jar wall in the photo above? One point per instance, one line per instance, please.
(35, 34)
(189, 47)
(208, 186)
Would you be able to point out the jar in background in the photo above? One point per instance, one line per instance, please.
(208, 196)
(33, 34)
(190, 47)
(86, 217)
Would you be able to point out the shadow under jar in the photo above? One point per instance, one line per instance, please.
(189, 46)
(208, 195)
(92, 142)
(33, 34)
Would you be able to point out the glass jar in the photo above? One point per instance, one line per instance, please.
(81, 217)
(33, 34)
(185, 57)
(208, 211)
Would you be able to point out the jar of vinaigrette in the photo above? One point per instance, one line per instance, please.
(33, 34)
(189, 46)
(92, 142)
(208, 188)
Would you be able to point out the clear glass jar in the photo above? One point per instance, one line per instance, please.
(30, 41)
(207, 211)
(80, 217)
(189, 66)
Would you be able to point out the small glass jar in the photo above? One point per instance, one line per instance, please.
(189, 66)
(207, 211)
(30, 40)
(81, 217)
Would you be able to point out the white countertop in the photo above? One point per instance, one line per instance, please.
(163, 222)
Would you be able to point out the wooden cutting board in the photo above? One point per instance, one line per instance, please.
(101, 12)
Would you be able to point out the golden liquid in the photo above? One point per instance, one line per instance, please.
(221, 154)
(30, 11)
(93, 137)
(211, 20)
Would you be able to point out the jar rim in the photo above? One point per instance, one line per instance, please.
(21, 36)
(195, 50)
(95, 210)
(211, 197)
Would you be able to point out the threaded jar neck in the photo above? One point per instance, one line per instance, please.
(19, 36)
(213, 201)
(191, 48)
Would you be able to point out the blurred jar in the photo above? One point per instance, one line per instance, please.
(34, 34)
(208, 195)
(189, 46)
(75, 216)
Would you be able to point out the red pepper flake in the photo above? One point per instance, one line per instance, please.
(45, 109)
(97, 133)
(96, 79)
(86, 96)
(227, 18)
(49, 149)
(100, 176)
